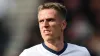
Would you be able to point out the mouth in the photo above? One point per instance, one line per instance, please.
(46, 31)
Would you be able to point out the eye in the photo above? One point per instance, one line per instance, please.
(51, 19)
(41, 21)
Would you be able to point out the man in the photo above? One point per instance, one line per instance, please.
(52, 22)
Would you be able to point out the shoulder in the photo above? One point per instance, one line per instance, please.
(30, 50)
(34, 47)
(78, 49)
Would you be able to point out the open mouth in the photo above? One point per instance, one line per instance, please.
(47, 31)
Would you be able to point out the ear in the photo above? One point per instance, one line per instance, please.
(64, 24)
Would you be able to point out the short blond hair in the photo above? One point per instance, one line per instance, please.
(61, 9)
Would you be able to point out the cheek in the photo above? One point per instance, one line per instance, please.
(56, 30)
(56, 27)
(40, 27)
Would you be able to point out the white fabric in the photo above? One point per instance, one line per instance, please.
(71, 50)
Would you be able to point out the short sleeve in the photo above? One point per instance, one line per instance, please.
(24, 53)
(86, 52)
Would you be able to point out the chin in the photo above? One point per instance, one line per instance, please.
(48, 38)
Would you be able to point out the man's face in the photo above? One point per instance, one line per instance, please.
(50, 23)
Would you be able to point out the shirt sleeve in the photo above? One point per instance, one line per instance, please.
(24, 53)
(87, 52)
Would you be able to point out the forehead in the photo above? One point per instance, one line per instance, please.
(47, 13)
(51, 11)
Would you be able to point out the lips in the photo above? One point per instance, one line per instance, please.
(46, 31)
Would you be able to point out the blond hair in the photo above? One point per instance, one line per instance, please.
(53, 5)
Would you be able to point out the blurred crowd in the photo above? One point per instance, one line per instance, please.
(19, 27)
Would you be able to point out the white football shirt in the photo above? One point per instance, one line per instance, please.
(68, 50)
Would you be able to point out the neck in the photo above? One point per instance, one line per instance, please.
(55, 45)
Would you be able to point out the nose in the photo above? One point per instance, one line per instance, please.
(46, 24)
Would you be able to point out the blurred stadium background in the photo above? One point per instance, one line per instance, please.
(19, 27)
